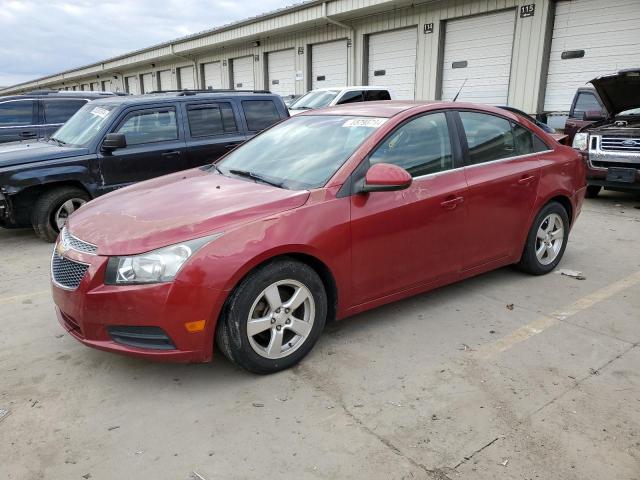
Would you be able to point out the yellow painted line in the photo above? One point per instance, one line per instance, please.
(17, 298)
(543, 323)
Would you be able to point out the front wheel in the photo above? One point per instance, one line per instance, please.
(592, 191)
(52, 209)
(274, 317)
(546, 241)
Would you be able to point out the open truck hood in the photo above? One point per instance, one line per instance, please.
(619, 92)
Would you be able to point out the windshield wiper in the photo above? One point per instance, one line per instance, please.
(59, 142)
(256, 176)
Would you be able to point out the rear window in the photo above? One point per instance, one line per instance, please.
(59, 111)
(351, 97)
(17, 112)
(206, 120)
(260, 114)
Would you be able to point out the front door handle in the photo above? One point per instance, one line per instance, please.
(526, 180)
(452, 202)
(173, 153)
(229, 146)
(28, 134)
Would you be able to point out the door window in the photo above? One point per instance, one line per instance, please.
(421, 146)
(526, 141)
(351, 97)
(586, 102)
(374, 95)
(16, 113)
(59, 111)
(150, 126)
(206, 120)
(489, 137)
(260, 114)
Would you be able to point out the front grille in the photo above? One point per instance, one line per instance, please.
(618, 144)
(67, 273)
(76, 243)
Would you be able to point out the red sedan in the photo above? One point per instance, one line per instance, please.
(322, 216)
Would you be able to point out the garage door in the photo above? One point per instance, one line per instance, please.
(185, 74)
(212, 73)
(242, 73)
(392, 61)
(595, 40)
(131, 84)
(477, 53)
(164, 78)
(147, 83)
(95, 86)
(281, 72)
(329, 64)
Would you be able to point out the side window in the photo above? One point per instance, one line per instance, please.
(489, 137)
(351, 97)
(523, 139)
(374, 95)
(586, 102)
(16, 113)
(539, 145)
(421, 146)
(260, 114)
(150, 126)
(59, 111)
(206, 120)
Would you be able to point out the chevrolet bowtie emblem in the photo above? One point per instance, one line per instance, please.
(61, 248)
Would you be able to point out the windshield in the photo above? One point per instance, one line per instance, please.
(300, 153)
(82, 127)
(633, 111)
(314, 99)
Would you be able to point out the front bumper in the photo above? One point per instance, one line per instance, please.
(597, 175)
(88, 312)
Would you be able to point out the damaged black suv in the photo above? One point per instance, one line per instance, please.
(611, 147)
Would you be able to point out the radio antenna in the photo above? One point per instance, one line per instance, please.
(461, 87)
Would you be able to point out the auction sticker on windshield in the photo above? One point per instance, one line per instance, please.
(365, 122)
(100, 112)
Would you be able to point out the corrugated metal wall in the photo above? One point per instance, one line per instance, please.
(305, 26)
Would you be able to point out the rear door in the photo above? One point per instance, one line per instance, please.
(155, 146)
(212, 129)
(18, 119)
(56, 111)
(503, 172)
(260, 114)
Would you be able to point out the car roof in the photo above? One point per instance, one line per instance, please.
(182, 96)
(351, 88)
(79, 94)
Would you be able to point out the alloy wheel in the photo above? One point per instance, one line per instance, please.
(66, 209)
(549, 239)
(280, 319)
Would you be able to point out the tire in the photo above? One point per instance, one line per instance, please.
(249, 300)
(552, 253)
(592, 191)
(46, 215)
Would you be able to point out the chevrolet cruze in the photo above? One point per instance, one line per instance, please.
(322, 216)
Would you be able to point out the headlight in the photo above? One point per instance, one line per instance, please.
(581, 141)
(158, 266)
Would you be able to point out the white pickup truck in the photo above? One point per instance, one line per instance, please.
(327, 97)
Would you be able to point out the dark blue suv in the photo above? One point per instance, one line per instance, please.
(114, 142)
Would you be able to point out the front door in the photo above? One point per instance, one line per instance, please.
(155, 146)
(502, 172)
(414, 236)
(18, 120)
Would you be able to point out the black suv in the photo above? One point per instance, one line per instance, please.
(40, 113)
(114, 142)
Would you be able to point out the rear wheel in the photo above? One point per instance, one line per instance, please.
(53, 208)
(274, 317)
(546, 241)
(592, 191)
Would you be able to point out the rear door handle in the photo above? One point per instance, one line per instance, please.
(28, 134)
(452, 203)
(229, 146)
(173, 153)
(526, 180)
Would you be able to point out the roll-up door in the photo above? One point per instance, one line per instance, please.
(212, 73)
(185, 75)
(392, 61)
(477, 54)
(147, 83)
(164, 78)
(590, 38)
(95, 86)
(281, 72)
(242, 73)
(131, 84)
(329, 64)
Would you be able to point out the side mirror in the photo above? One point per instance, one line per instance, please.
(384, 177)
(113, 141)
(593, 116)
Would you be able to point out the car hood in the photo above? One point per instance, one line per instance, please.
(296, 112)
(19, 153)
(175, 208)
(619, 92)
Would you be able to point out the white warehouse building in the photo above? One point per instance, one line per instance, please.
(530, 54)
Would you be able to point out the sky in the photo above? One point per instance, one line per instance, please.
(41, 37)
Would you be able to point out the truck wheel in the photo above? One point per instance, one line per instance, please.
(52, 209)
(592, 191)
